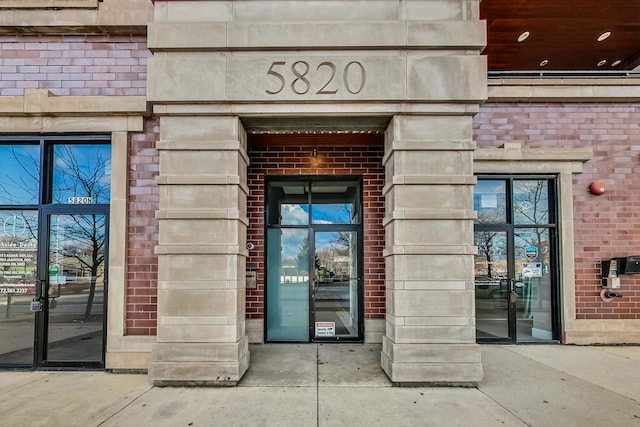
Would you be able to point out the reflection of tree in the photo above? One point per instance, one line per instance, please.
(531, 206)
(78, 171)
(531, 202)
(72, 178)
(84, 240)
(490, 246)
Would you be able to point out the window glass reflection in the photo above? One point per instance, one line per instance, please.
(81, 174)
(332, 213)
(294, 214)
(490, 201)
(19, 174)
(530, 202)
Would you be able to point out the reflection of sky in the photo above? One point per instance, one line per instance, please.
(294, 214)
(292, 239)
(19, 173)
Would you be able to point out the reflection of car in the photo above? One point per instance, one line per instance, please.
(68, 284)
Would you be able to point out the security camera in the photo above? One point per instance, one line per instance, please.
(250, 245)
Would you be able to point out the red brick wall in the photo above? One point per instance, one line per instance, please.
(142, 231)
(339, 155)
(604, 226)
(73, 65)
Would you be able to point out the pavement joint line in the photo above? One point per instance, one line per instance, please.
(30, 382)
(505, 408)
(125, 406)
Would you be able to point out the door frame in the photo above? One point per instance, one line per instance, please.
(312, 229)
(510, 229)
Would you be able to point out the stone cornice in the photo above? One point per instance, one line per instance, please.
(41, 102)
(75, 17)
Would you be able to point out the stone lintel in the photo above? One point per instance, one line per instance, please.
(230, 214)
(430, 250)
(41, 102)
(435, 214)
(309, 35)
(199, 145)
(201, 250)
(75, 17)
(324, 109)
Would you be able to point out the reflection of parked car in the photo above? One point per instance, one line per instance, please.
(69, 284)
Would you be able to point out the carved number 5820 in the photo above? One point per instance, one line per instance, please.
(300, 77)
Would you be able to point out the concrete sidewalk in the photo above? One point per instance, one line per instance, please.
(343, 385)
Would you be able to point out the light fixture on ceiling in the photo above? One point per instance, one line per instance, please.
(604, 36)
(522, 37)
(616, 63)
(544, 62)
(601, 63)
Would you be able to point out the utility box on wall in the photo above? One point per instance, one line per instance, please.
(629, 265)
(625, 265)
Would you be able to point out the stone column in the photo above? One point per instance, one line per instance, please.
(201, 252)
(429, 251)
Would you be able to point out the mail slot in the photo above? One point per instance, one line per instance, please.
(629, 265)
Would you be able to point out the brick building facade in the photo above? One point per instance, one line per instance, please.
(206, 105)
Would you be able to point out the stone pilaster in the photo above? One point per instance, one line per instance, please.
(201, 252)
(430, 321)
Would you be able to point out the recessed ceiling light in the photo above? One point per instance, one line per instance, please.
(544, 62)
(616, 63)
(601, 63)
(604, 36)
(522, 37)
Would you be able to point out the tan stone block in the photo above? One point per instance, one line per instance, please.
(187, 35)
(201, 162)
(436, 353)
(406, 197)
(219, 352)
(417, 302)
(432, 163)
(425, 232)
(192, 197)
(218, 302)
(458, 34)
(316, 34)
(432, 128)
(217, 130)
(199, 11)
(200, 267)
(202, 232)
(447, 78)
(199, 333)
(434, 335)
(186, 76)
(429, 267)
(314, 11)
(433, 10)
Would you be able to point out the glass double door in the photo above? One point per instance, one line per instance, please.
(515, 281)
(314, 271)
(53, 287)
